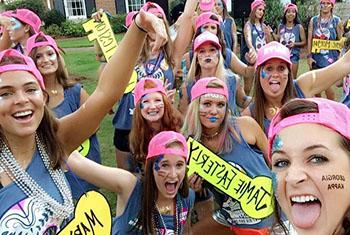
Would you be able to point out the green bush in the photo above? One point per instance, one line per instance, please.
(274, 13)
(118, 23)
(53, 30)
(33, 5)
(54, 17)
(72, 29)
(306, 10)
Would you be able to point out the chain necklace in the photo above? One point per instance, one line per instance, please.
(31, 188)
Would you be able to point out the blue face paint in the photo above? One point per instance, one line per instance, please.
(15, 24)
(263, 74)
(157, 161)
(213, 119)
(274, 182)
(141, 106)
(202, 30)
(277, 144)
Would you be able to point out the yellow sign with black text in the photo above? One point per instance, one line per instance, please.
(254, 194)
(319, 44)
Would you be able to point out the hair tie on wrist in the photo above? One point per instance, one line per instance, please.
(139, 27)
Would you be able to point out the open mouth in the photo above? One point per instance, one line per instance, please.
(171, 187)
(23, 115)
(275, 85)
(305, 210)
(207, 60)
(153, 113)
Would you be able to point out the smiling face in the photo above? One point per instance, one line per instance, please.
(152, 107)
(208, 56)
(219, 6)
(46, 60)
(326, 6)
(259, 13)
(21, 103)
(169, 171)
(313, 172)
(212, 111)
(274, 78)
(290, 15)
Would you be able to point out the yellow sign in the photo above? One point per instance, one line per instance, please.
(84, 148)
(319, 44)
(348, 24)
(254, 194)
(103, 33)
(92, 216)
(132, 83)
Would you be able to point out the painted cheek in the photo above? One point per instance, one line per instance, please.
(274, 183)
(277, 143)
(141, 106)
(264, 74)
(15, 24)
(53, 57)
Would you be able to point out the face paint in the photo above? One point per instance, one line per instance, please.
(15, 24)
(141, 105)
(53, 57)
(208, 60)
(213, 119)
(156, 163)
(336, 179)
(263, 74)
(214, 96)
(220, 4)
(202, 29)
(277, 144)
(274, 183)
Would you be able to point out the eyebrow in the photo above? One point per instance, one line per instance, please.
(25, 84)
(312, 147)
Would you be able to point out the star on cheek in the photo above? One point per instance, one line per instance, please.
(277, 144)
(158, 168)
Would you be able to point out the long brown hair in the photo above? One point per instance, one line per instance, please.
(299, 106)
(141, 133)
(47, 130)
(150, 196)
(259, 99)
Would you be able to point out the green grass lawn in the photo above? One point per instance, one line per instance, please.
(81, 42)
(83, 63)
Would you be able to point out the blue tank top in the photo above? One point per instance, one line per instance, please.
(124, 224)
(227, 58)
(251, 163)
(20, 214)
(258, 40)
(90, 148)
(288, 36)
(266, 122)
(226, 27)
(232, 91)
(157, 68)
(346, 91)
(326, 31)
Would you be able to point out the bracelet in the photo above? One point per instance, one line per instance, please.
(139, 27)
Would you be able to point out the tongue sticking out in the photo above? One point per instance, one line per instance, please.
(275, 87)
(304, 215)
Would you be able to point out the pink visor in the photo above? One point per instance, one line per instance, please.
(206, 18)
(27, 17)
(256, 3)
(273, 50)
(290, 6)
(153, 8)
(130, 17)
(140, 89)
(204, 38)
(331, 114)
(31, 44)
(331, 1)
(201, 87)
(29, 65)
(206, 5)
(158, 145)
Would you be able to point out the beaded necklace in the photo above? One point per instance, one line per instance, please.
(158, 218)
(31, 188)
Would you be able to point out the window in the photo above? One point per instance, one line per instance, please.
(133, 5)
(75, 9)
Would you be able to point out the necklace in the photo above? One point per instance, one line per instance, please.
(210, 137)
(54, 92)
(163, 210)
(31, 188)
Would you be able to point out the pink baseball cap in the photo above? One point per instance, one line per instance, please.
(290, 6)
(200, 88)
(331, 114)
(331, 1)
(130, 17)
(31, 44)
(27, 17)
(206, 5)
(29, 65)
(207, 17)
(153, 8)
(158, 145)
(256, 3)
(140, 89)
(273, 50)
(206, 37)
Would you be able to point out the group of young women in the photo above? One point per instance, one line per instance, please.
(301, 144)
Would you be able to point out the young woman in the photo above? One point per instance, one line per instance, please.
(158, 203)
(64, 97)
(274, 84)
(208, 62)
(35, 197)
(153, 113)
(157, 65)
(325, 26)
(309, 142)
(209, 121)
(346, 81)
(19, 25)
(292, 34)
(256, 35)
(228, 25)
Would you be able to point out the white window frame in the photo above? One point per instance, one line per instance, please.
(71, 17)
(134, 4)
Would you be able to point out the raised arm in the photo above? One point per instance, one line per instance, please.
(5, 41)
(78, 126)
(241, 68)
(309, 44)
(234, 36)
(313, 82)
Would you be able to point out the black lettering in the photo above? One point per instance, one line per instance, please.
(77, 231)
(205, 158)
(216, 166)
(255, 196)
(220, 172)
(249, 190)
(230, 179)
(192, 150)
(257, 207)
(101, 26)
(92, 220)
(210, 164)
(239, 186)
(86, 229)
